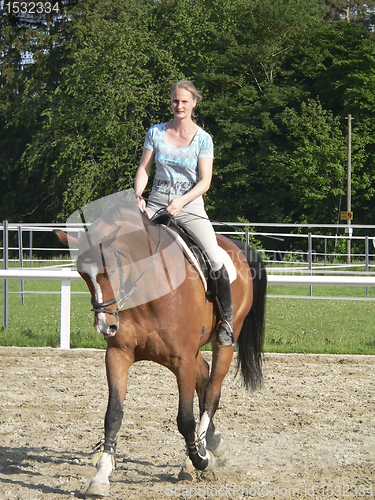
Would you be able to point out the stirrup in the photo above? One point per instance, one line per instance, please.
(225, 334)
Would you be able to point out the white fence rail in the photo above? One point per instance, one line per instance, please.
(66, 275)
(321, 280)
(289, 276)
(303, 251)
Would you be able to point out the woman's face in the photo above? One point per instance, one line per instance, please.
(183, 103)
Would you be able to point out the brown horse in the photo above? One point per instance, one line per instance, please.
(116, 258)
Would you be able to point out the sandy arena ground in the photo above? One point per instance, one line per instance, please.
(311, 425)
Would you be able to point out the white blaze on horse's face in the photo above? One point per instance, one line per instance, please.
(91, 270)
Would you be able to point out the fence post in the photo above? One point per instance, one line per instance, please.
(65, 314)
(310, 259)
(5, 286)
(325, 251)
(20, 257)
(366, 260)
(31, 248)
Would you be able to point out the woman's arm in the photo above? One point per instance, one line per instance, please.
(142, 175)
(205, 167)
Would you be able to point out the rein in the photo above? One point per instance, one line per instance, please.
(101, 307)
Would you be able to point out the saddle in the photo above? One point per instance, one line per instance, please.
(190, 242)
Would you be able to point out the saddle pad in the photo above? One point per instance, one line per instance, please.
(228, 263)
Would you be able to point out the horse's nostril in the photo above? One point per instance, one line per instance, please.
(113, 328)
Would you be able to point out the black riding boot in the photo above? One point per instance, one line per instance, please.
(224, 332)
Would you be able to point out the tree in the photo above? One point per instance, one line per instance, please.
(313, 162)
(249, 80)
(94, 126)
(25, 94)
(344, 83)
(359, 13)
(276, 78)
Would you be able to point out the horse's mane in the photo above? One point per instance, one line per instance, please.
(124, 215)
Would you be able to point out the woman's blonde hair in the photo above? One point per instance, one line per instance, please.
(187, 85)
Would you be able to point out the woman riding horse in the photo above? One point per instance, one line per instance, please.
(129, 252)
(183, 154)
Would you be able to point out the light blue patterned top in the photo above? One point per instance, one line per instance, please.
(177, 168)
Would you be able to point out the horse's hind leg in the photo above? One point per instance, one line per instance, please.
(186, 381)
(206, 428)
(117, 364)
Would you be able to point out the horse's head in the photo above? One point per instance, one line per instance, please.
(104, 267)
(126, 262)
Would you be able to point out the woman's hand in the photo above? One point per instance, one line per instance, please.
(141, 202)
(205, 175)
(175, 206)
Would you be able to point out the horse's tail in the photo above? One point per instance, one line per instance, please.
(251, 339)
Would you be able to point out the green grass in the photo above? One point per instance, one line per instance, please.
(320, 326)
(292, 325)
(37, 322)
(309, 326)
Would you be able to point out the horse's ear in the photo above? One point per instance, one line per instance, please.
(66, 239)
(110, 238)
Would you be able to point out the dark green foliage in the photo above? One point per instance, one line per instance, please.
(279, 78)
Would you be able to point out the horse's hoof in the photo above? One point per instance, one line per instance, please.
(97, 490)
(187, 471)
(217, 445)
(211, 461)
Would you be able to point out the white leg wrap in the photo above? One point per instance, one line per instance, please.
(202, 428)
(99, 485)
(104, 467)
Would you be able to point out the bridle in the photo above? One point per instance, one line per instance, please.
(101, 307)
(123, 297)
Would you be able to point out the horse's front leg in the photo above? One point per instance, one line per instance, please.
(201, 458)
(117, 365)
